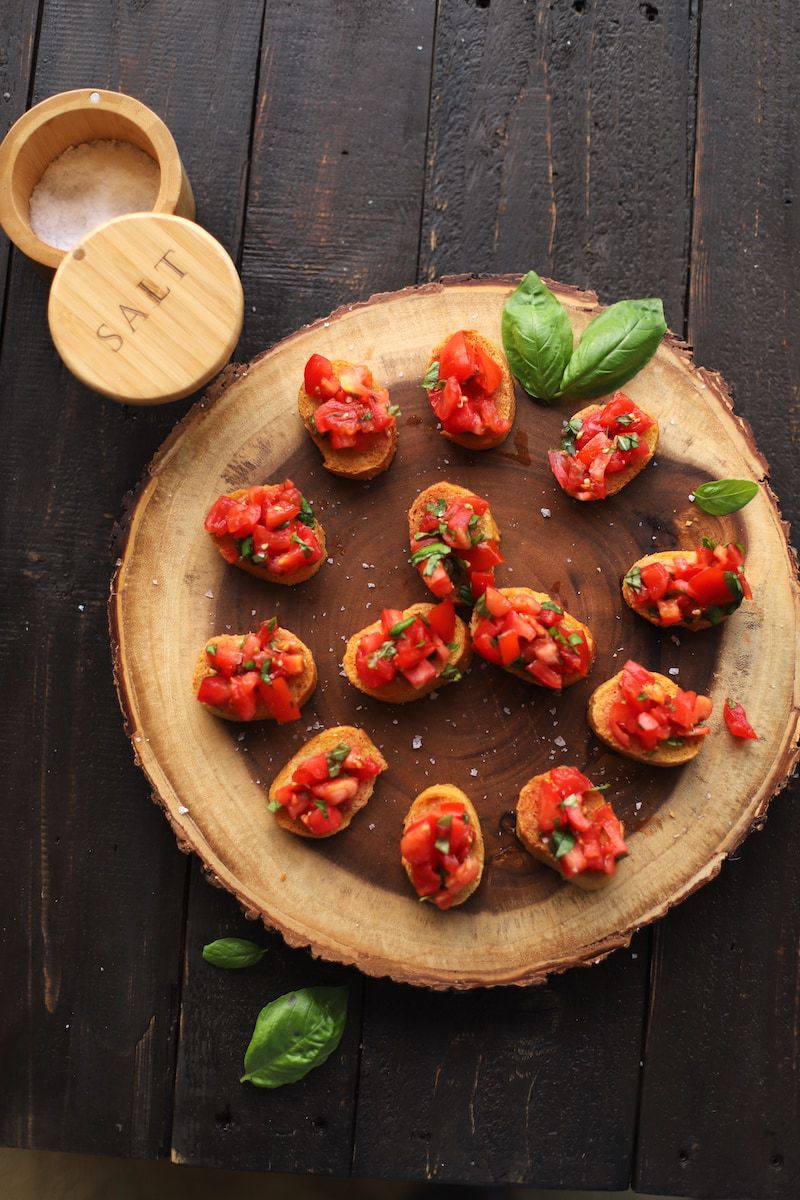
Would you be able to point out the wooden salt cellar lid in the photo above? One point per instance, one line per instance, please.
(146, 308)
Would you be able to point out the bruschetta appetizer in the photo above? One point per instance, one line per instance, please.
(326, 782)
(348, 417)
(442, 846)
(564, 821)
(455, 543)
(647, 717)
(269, 531)
(408, 653)
(528, 634)
(471, 391)
(603, 447)
(268, 675)
(691, 588)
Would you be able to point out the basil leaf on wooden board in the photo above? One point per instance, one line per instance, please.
(613, 348)
(723, 496)
(537, 337)
(233, 953)
(294, 1034)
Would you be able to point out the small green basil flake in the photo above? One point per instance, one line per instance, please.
(571, 801)
(722, 496)
(394, 410)
(431, 380)
(627, 441)
(266, 671)
(714, 614)
(335, 758)
(246, 547)
(294, 1034)
(233, 953)
(400, 626)
(562, 842)
(437, 507)
(576, 639)
(304, 546)
(211, 648)
(614, 347)
(709, 543)
(465, 593)
(551, 606)
(634, 579)
(272, 624)
(435, 549)
(442, 845)
(385, 650)
(274, 805)
(322, 806)
(537, 337)
(306, 514)
(249, 665)
(734, 587)
(451, 673)
(481, 607)
(626, 419)
(673, 741)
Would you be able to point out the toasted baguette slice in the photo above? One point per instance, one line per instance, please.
(535, 842)
(617, 481)
(572, 623)
(376, 456)
(504, 398)
(427, 802)
(666, 557)
(301, 686)
(261, 571)
(598, 715)
(358, 741)
(400, 691)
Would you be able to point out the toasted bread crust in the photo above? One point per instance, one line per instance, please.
(505, 398)
(617, 481)
(353, 464)
(529, 833)
(262, 572)
(400, 691)
(598, 715)
(664, 556)
(430, 799)
(301, 687)
(357, 740)
(572, 623)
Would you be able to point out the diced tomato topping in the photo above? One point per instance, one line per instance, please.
(608, 441)
(520, 632)
(352, 408)
(464, 400)
(737, 722)
(250, 673)
(582, 834)
(323, 786)
(702, 585)
(267, 527)
(451, 551)
(647, 715)
(415, 647)
(439, 848)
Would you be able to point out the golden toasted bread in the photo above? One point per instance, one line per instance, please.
(598, 715)
(399, 690)
(572, 623)
(301, 687)
(366, 463)
(358, 742)
(617, 481)
(504, 398)
(427, 802)
(666, 557)
(538, 845)
(262, 571)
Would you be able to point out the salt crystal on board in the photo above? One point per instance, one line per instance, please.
(89, 184)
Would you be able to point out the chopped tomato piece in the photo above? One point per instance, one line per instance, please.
(442, 620)
(737, 722)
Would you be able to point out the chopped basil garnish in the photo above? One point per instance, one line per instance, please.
(322, 806)
(451, 673)
(576, 639)
(709, 543)
(249, 665)
(442, 845)
(465, 593)
(714, 614)
(400, 626)
(571, 801)
(562, 842)
(385, 650)
(272, 624)
(634, 579)
(246, 547)
(394, 410)
(312, 424)
(274, 805)
(306, 514)
(673, 741)
(551, 606)
(304, 546)
(431, 555)
(335, 758)
(626, 419)
(431, 379)
(211, 649)
(266, 670)
(437, 508)
(569, 431)
(258, 558)
(627, 441)
(734, 587)
(481, 607)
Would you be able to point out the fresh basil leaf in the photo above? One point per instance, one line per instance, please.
(627, 441)
(306, 514)
(537, 337)
(439, 549)
(562, 842)
(613, 348)
(335, 758)
(400, 626)
(431, 380)
(723, 496)
(551, 606)
(634, 579)
(233, 953)
(294, 1034)
(246, 547)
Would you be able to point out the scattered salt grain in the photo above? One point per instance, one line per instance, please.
(416, 742)
(371, 825)
(691, 495)
(182, 809)
(81, 607)
(545, 512)
(154, 582)
(210, 595)
(89, 184)
(328, 560)
(638, 805)
(473, 771)
(371, 585)
(559, 741)
(674, 670)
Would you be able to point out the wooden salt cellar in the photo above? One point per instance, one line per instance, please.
(146, 308)
(66, 120)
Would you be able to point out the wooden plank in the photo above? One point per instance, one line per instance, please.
(333, 215)
(18, 26)
(92, 884)
(512, 185)
(721, 1099)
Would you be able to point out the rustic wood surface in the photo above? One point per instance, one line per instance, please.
(558, 136)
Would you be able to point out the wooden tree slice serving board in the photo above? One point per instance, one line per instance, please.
(347, 897)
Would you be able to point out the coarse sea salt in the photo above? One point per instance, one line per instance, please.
(89, 184)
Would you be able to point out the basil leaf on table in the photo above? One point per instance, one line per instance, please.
(613, 348)
(294, 1034)
(537, 337)
(723, 496)
(233, 953)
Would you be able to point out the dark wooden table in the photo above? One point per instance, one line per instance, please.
(338, 150)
